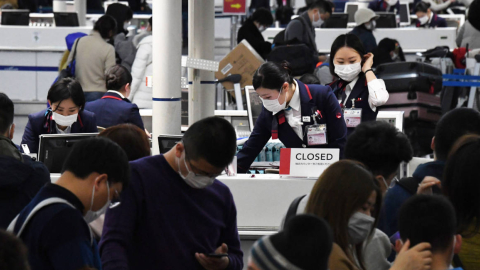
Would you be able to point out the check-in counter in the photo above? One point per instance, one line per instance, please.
(412, 40)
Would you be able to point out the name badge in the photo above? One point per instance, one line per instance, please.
(317, 135)
(306, 119)
(353, 117)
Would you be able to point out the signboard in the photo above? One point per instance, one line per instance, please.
(307, 162)
(238, 7)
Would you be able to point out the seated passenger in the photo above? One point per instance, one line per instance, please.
(252, 29)
(426, 18)
(124, 49)
(20, 177)
(469, 33)
(305, 243)
(385, 6)
(366, 21)
(114, 107)
(175, 212)
(65, 115)
(54, 225)
(431, 219)
(388, 51)
(13, 253)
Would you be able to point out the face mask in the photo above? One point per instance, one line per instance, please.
(391, 2)
(394, 56)
(93, 215)
(423, 20)
(348, 72)
(62, 120)
(318, 22)
(193, 180)
(359, 226)
(274, 105)
(126, 25)
(262, 28)
(371, 25)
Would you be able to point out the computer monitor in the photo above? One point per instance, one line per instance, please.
(404, 14)
(16, 17)
(254, 106)
(66, 19)
(167, 142)
(350, 9)
(54, 148)
(336, 20)
(386, 20)
(394, 118)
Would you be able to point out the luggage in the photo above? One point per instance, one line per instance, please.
(416, 105)
(299, 57)
(410, 77)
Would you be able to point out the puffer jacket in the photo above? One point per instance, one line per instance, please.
(142, 67)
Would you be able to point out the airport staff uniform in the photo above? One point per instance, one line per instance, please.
(433, 22)
(367, 96)
(289, 125)
(114, 109)
(42, 123)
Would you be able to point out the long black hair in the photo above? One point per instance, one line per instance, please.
(65, 89)
(272, 75)
(346, 40)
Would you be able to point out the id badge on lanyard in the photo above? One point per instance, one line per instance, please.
(317, 134)
(352, 116)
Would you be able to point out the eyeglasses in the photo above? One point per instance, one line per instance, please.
(115, 201)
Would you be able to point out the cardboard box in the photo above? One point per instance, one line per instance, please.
(243, 60)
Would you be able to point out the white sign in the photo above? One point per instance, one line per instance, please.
(307, 162)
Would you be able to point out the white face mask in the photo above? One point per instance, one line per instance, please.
(274, 105)
(359, 226)
(262, 28)
(394, 57)
(193, 180)
(348, 72)
(126, 25)
(371, 25)
(318, 22)
(423, 20)
(93, 215)
(62, 120)
(391, 2)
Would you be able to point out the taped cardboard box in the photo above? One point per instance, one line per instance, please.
(243, 60)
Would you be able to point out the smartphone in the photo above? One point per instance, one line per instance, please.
(215, 255)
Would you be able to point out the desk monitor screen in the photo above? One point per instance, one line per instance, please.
(404, 14)
(16, 17)
(167, 142)
(350, 9)
(254, 106)
(54, 148)
(386, 20)
(66, 19)
(336, 20)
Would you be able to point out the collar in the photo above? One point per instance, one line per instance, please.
(96, 34)
(68, 130)
(116, 92)
(295, 101)
(431, 18)
(307, 18)
(53, 190)
(352, 83)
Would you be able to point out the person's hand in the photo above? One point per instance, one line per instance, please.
(417, 258)
(425, 187)
(368, 62)
(211, 263)
(148, 134)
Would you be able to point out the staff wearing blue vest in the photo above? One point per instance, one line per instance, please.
(114, 108)
(299, 115)
(357, 89)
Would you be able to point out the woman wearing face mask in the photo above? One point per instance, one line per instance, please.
(357, 89)
(426, 18)
(347, 197)
(366, 21)
(65, 114)
(252, 30)
(299, 115)
(388, 51)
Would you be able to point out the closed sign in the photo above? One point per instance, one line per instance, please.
(310, 162)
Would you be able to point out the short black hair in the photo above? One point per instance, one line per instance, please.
(380, 146)
(121, 13)
(309, 79)
(421, 7)
(13, 253)
(212, 139)
(67, 88)
(100, 155)
(452, 126)
(106, 26)
(346, 40)
(117, 77)
(6, 113)
(428, 218)
(263, 16)
(272, 75)
(323, 6)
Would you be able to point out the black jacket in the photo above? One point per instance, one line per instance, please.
(250, 32)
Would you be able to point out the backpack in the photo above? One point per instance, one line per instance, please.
(292, 209)
(69, 71)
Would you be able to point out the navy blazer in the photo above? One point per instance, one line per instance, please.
(41, 123)
(435, 22)
(320, 97)
(382, 6)
(360, 94)
(112, 110)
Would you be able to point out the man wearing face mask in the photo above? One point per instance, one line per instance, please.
(176, 215)
(303, 28)
(20, 177)
(54, 225)
(426, 18)
(385, 6)
(366, 21)
(252, 30)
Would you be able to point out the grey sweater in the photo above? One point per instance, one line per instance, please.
(468, 35)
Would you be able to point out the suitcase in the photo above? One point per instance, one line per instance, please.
(416, 105)
(410, 77)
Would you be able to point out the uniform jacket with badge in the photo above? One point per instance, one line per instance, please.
(113, 110)
(315, 97)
